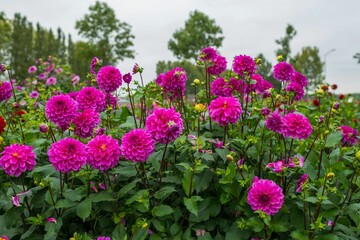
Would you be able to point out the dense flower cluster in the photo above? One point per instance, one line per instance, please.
(218, 65)
(61, 110)
(85, 122)
(103, 152)
(300, 79)
(137, 145)
(266, 196)
(165, 125)
(274, 122)
(284, 71)
(349, 136)
(67, 155)
(221, 87)
(173, 82)
(109, 79)
(244, 65)
(91, 98)
(225, 110)
(297, 89)
(5, 91)
(296, 126)
(16, 159)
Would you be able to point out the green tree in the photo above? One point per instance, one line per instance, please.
(357, 56)
(284, 43)
(5, 38)
(112, 39)
(199, 32)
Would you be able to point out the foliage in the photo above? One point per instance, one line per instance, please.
(284, 43)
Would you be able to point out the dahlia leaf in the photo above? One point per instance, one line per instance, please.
(83, 210)
(191, 204)
(127, 188)
(164, 192)
(162, 210)
(188, 183)
(333, 139)
(101, 197)
(174, 229)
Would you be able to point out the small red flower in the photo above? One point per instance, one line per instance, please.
(316, 102)
(2, 125)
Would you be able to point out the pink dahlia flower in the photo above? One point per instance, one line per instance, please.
(34, 94)
(111, 100)
(85, 123)
(221, 87)
(103, 152)
(296, 126)
(32, 69)
(137, 145)
(284, 71)
(266, 196)
(297, 89)
(238, 85)
(109, 79)
(127, 78)
(349, 137)
(274, 122)
(51, 81)
(165, 125)
(303, 179)
(244, 65)
(67, 155)
(218, 65)
(16, 159)
(61, 110)
(300, 79)
(5, 91)
(103, 238)
(277, 166)
(225, 110)
(173, 82)
(207, 54)
(91, 98)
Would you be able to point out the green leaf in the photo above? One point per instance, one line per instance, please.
(327, 237)
(174, 229)
(119, 233)
(203, 180)
(256, 224)
(333, 139)
(312, 199)
(158, 225)
(191, 204)
(65, 203)
(101, 197)
(222, 153)
(164, 192)
(127, 188)
(83, 210)
(162, 210)
(188, 183)
(184, 165)
(74, 195)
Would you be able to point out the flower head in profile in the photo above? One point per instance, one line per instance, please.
(165, 125)
(5, 91)
(111, 100)
(244, 65)
(137, 69)
(67, 155)
(266, 196)
(61, 110)
(284, 71)
(349, 136)
(299, 185)
(91, 98)
(109, 79)
(85, 123)
(218, 65)
(274, 122)
(16, 159)
(127, 78)
(225, 110)
(137, 145)
(32, 69)
(296, 126)
(103, 152)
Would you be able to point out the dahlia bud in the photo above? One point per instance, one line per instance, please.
(330, 176)
(280, 58)
(357, 155)
(200, 107)
(265, 111)
(321, 119)
(137, 69)
(336, 105)
(320, 93)
(196, 82)
(15, 105)
(240, 163)
(334, 87)
(99, 131)
(43, 128)
(258, 61)
(127, 78)
(229, 158)
(1, 140)
(325, 87)
(2, 68)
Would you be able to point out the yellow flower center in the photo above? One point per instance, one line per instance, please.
(15, 154)
(225, 104)
(103, 147)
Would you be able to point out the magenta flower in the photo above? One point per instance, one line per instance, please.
(43, 128)
(207, 54)
(274, 122)
(284, 71)
(109, 79)
(51, 81)
(349, 137)
(221, 87)
(16, 159)
(127, 78)
(42, 76)
(265, 111)
(111, 100)
(225, 110)
(300, 79)
(165, 125)
(296, 126)
(75, 79)
(61, 110)
(137, 69)
(73, 95)
(15, 200)
(67, 155)
(85, 123)
(103, 238)
(297, 89)
(32, 69)
(303, 179)
(238, 85)
(34, 94)
(277, 166)
(103, 152)
(137, 145)
(51, 220)
(5, 91)
(218, 65)
(266, 196)
(95, 62)
(244, 65)
(173, 82)
(91, 98)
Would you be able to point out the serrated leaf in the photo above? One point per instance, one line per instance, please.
(162, 210)
(164, 192)
(101, 197)
(191, 204)
(83, 209)
(158, 225)
(188, 183)
(333, 139)
(127, 188)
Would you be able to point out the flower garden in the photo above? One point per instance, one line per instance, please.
(112, 158)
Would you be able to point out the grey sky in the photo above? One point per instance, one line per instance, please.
(250, 27)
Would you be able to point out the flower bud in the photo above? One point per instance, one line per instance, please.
(320, 93)
(334, 87)
(357, 155)
(280, 58)
(127, 78)
(200, 107)
(15, 105)
(330, 176)
(43, 128)
(229, 158)
(196, 82)
(2, 68)
(336, 105)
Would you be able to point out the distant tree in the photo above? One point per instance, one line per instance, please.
(357, 56)
(111, 39)
(284, 43)
(199, 32)
(5, 39)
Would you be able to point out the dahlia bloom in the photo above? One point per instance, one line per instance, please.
(42, 76)
(32, 69)
(43, 128)
(111, 100)
(34, 94)
(95, 62)
(221, 87)
(91, 98)
(244, 65)
(109, 79)
(75, 79)
(73, 95)
(303, 179)
(296, 126)
(266, 196)
(61, 110)
(277, 166)
(207, 54)
(300, 79)
(297, 89)
(274, 122)
(67, 155)
(349, 137)
(173, 82)
(284, 71)
(103, 238)
(165, 125)
(218, 65)
(51, 81)
(2, 125)
(16, 159)
(103, 152)
(85, 123)
(238, 85)
(225, 110)
(5, 91)
(127, 78)
(265, 111)
(137, 69)
(137, 145)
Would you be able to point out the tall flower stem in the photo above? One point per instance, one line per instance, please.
(162, 165)
(131, 105)
(225, 132)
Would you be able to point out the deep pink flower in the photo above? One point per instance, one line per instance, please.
(5, 91)
(137, 145)
(173, 82)
(218, 65)
(16, 159)
(42, 76)
(85, 123)
(266, 196)
(91, 98)
(277, 166)
(221, 87)
(111, 100)
(303, 179)
(34, 94)
(284, 71)
(73, 95)
(297, 89)
(127, 78)
(15, 200)
(265, 111)
(109, 79)
(43, 128)
(61, 110)
(67, 155)
(103, 152)
(238, 85)
(296, 126)
(2, 67)
(225, 110)
(300, 79)
(207, 54)
(137, 69)
(103, 238)
(160, 78)
(32, 69)
(75, 79)
(51, 81)
(95, 62)
(274, 122)
(244, 65)
(165, 125)
(51, 220)
(349, 137)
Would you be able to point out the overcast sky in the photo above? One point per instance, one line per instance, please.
(250, 27)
